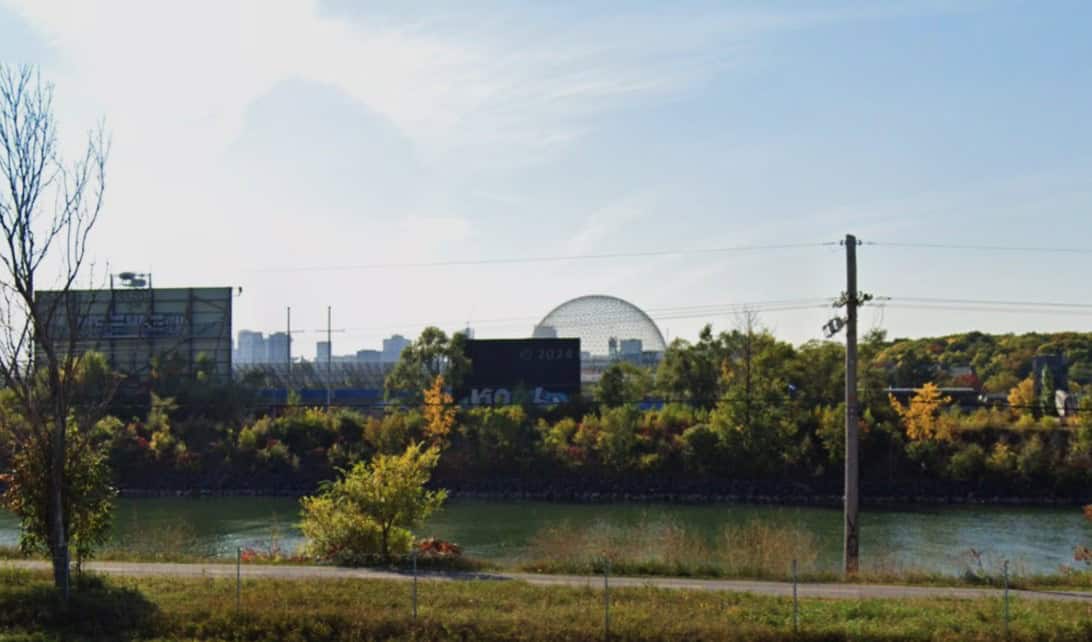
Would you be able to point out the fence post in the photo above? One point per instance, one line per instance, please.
(414, 586)
(1005, 573)
(795, 602)
(606, 600)
(238, 578)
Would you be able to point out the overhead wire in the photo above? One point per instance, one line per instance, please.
(981, 248)
(659, 313)
(991, 302)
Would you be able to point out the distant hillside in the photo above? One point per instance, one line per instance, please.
(993, 363)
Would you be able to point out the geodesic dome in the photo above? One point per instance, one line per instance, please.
(596, 319)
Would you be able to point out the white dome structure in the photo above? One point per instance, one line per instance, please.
(605, 325)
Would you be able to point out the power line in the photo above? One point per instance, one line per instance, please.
(659, 314)
(991, 302)
(545, 259)
(983, 248)
(957, 308)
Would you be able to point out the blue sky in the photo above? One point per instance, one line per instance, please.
(253, 139)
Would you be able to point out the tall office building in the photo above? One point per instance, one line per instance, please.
(393, 347)
(251, 347)
(322, 351)
(277, 348)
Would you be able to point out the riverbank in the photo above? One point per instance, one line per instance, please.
(209, 606)
(657, 497)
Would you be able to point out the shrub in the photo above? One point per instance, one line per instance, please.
(1002, 459)
(1033, 459)
(700, 448)
(967, 463)
(618, 439)
(367, 513)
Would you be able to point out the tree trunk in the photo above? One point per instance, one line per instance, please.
(58, 540)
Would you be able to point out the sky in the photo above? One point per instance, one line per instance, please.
(317, 154)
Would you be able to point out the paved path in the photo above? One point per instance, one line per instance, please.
(825, 590)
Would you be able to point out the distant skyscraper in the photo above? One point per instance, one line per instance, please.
(251, 347)
(322, 351)
(393, 347)
(277, 348)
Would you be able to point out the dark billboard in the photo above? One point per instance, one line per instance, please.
(132, 327)
(547, 371)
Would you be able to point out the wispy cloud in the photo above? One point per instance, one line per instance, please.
(196, 66)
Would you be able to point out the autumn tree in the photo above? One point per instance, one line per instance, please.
(1021, 397)
(438, 410)
(48, 209)
(921, 418)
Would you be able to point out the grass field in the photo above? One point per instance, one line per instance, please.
(205, 609)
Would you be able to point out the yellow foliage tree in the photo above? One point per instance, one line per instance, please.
(921, 418)
(1022, 397)
(439, 411)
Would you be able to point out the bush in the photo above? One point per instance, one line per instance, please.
(346, 537)
(1002, 459)
(618, 439)
(700, 447)
(366, 515)
(1033, 459)
(967, 463)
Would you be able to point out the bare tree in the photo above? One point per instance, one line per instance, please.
(47, 211)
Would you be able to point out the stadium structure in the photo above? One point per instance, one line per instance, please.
(610, 329)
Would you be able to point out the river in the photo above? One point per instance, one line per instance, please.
(1036, 539)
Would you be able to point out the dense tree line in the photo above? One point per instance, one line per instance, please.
(739, 406)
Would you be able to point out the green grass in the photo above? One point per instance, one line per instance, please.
(204, 609)
(756, 550)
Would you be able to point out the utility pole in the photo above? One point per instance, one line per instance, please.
(852, 490)
(851, 298)
(289, 329)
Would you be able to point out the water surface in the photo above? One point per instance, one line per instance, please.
(939, 539)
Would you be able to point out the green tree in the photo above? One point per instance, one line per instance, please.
(756, 416)
(1046, 393)
(433, 354)
(369, 511)
(89, 491)
(690, 372)
(623, 383)
(914, 365)
(47, 211)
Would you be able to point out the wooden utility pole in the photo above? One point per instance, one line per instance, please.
(289, 330)
(852, 496)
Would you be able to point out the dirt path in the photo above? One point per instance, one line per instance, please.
(825, 590)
